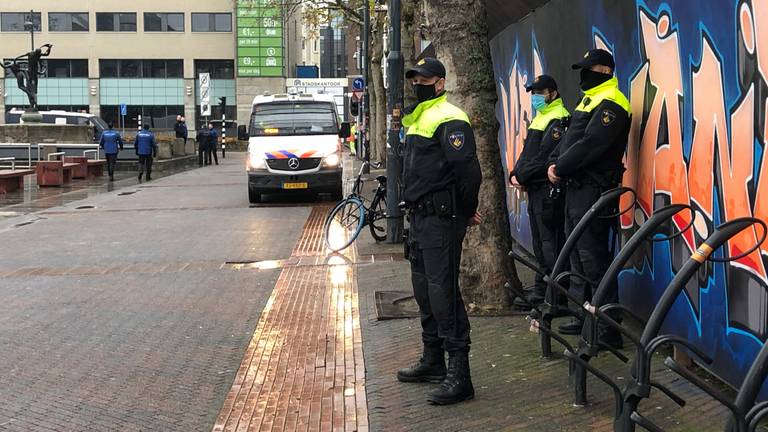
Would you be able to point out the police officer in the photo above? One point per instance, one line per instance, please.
(213, 141)
(146, 148)
(111, 142)
(441, 180)
(589, 161)
(203, 135)
(545, 203)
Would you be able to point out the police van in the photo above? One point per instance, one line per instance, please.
(294, 145)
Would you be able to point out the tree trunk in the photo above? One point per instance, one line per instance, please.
(410, 19)
(461, 40)
(378, 97)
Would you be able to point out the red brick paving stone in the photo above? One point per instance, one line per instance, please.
(303, 369)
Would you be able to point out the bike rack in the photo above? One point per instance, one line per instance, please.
(745, 414)
(639, 386)
(550, 309)
(588, 343)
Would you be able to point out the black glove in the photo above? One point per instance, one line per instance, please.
(154, 154)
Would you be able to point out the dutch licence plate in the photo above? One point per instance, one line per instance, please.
(302, 185)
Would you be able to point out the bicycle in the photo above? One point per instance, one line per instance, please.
(350, 215)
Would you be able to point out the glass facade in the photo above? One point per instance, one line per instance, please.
(115, 22)
(133, 68)
(163, 22)
(211, 22)
(51, 91)
(14, 21)
(68, 22)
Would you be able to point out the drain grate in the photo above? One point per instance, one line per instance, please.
(21, 224)
(126, 193)
(84, 207)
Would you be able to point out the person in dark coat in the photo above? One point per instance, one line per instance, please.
(111, 142)
(146, 148)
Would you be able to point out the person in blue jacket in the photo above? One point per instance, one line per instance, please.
(146, 148)
(111, 142)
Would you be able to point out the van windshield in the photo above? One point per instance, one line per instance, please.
(293, 118)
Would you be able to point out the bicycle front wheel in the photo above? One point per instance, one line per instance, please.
(344, 224)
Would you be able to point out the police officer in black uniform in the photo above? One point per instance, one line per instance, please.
(441, 181)
(545, 202)
(589, 161)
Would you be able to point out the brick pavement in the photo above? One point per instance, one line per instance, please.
(125, 317)
(303, 369)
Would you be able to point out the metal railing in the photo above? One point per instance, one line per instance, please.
(22, 146)
(92, 147)
(56, 154)
(12, 160)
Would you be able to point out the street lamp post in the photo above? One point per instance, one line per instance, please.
(29, 25)
(394, 111)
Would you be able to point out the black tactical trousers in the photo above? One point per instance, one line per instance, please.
(210, 151)
(444, 320)
(111, 162)
(547, 230)
(145, 162)
(592, 255)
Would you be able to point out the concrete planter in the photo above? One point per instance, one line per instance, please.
(178, 147)
(164, 150)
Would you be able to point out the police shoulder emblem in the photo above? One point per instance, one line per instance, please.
(457, 140)
(607, 117)
(557, 133)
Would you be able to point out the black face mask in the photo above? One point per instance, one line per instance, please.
(591, 79)
(424, 92)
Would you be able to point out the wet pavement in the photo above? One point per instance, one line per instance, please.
(175, 305)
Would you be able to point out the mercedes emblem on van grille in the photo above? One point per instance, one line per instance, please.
(293, 163)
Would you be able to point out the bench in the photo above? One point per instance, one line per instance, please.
(54, 173)
(80, 168)
(96, 167)
(13, 179)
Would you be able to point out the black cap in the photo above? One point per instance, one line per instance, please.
(542, 82)
(595, 57)
(427, 67)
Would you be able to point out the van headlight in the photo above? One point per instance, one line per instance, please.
(256, 161)
(332, 160)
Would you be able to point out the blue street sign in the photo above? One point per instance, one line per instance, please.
(358, 84)
(123, 109)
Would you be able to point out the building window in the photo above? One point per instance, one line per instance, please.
(141, 68)
(14, 21)
(157, 116)
(211, 22)
(68, 22)
(116, 22)
(61, 68)
(163, 22)
(219, 69)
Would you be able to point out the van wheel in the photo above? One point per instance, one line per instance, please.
(253, 196)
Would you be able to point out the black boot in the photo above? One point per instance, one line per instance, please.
(140, 175)
(572, 327)
(457, 385)
(429, 368)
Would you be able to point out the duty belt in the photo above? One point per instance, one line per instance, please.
(434, 203)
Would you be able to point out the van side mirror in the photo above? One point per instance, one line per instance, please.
(242, 133)
(345, 131)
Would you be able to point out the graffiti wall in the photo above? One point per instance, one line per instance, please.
(696, 74)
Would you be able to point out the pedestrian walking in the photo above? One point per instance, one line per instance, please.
(146, 149)
(588, 161)
(111, 142)
(545, 202)
(441, 181)
(213, 142)
(202, 138)
(181, 128)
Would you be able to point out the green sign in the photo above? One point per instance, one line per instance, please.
(259, 38)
